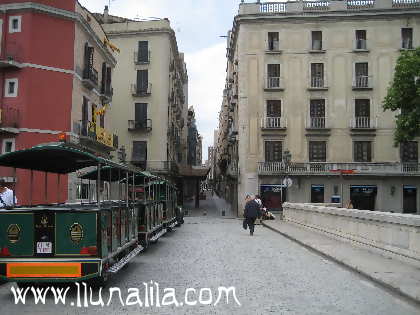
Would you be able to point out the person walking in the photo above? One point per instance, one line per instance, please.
(6, 196)
(251, 213)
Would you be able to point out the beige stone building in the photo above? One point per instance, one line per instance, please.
(302, 114)
(150, 93)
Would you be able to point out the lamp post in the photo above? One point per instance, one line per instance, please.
(287, 156)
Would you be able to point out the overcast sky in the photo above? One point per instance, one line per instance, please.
(198, 25)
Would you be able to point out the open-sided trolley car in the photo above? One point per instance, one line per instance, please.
(78, 241)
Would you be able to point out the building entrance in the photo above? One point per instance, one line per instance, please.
(363, 197)
(273, 196)
(409, 199)
(317, 194)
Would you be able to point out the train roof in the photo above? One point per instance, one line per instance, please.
(108, 173)
(58, 158)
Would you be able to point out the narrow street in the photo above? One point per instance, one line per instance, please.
(271, 274)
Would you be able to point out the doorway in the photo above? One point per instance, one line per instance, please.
(363, 197)
(409, 199)
(317, 194)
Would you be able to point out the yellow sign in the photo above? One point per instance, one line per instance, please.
(111, 45)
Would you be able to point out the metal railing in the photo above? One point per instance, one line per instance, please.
(95, 133)
(360, 4)
(317, 82)
(274, 123)
(273, 83)
(316, 5)
(273, 7)
(140, 125)
(317, 123)
(91, 74)
(139, 61)
(140, 90)
(363, 123)
(361, 44)
(274, 168)
(9, 117)
(273, 45)
(362, 81)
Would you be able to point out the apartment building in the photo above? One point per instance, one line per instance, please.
(302, 116)
(151, 90)
(55, 78)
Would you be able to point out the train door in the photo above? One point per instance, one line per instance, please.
(363, 197)
(409, 199)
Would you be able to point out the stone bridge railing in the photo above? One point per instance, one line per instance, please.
(390, 234)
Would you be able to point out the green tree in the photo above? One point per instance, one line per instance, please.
(404, 95)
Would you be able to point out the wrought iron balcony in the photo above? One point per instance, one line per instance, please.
(363, 123)
(326, 168)
(90, 78)
(274, 123)
(317, 123)
(318, 83)
(141, 90)
(141, 61)
(273, 83)
(9, 117)
(362, 82)
(136, 125)
(94, 135)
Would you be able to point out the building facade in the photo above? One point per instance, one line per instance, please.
(55, 78)
(302, 116)
(151, 90)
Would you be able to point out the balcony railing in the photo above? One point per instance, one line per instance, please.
(405, 3)
(273, 7)
(274, 123)
(273, 83)
(317, 123)
(360, 4)
(273, 45)
(138, 61)
(362, 82)
(317, 83)
(90, 77)
(316, 5)
(275, 168)
(361, 44)
(9, 117)
(140, 125)
(363, 123)
(141, 90)
(87, 131)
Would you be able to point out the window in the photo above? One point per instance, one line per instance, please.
(274, 108)
(11, 88)
(361, 75)
(82, 191)
(363, 151)
(409, 152)
(317, 151)
(273, 41)
(139, 154)
(140, 115)
(317, 113)
(316, 40)
(142, 81)
(8, 145)
(143, 53)
(361, 39)
(273, 73)
(362, 113)
(407, 38)
(15, 24)
(317, 193)
(317, 75)
(273, 151)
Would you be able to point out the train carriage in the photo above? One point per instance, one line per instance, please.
(67, 242)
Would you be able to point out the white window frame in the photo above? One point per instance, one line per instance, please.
(19, 28)
(6, 87)
(3, 146)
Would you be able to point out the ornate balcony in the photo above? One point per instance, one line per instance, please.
(95, 136)
(274, 123)
(363, 123)
(331, 169)
(90, 78)
(317, 83)
(274, 83)
(317, 123)
(362, 82)
(142, 61)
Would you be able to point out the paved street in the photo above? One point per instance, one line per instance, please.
(271, 274)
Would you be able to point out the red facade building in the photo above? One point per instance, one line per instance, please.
(45, 80)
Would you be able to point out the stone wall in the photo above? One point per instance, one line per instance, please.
(390, 234)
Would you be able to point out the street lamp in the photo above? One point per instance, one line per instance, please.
(287, 156)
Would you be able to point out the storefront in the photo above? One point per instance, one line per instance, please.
(317, 193)
(409, 199)
(273, 196)
(363, 197)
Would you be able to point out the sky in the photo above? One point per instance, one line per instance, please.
(198, 25)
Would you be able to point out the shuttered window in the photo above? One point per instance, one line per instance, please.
(317, 151)
(142, 81)
(362, 151)
(139, 151)
(273, 151)
(140, 113)
(143, 54)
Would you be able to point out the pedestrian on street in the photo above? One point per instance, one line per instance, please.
(251, 213)
(6, 196)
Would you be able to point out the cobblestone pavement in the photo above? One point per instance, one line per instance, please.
(271, 274)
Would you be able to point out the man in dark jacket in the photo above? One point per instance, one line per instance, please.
(251, 213)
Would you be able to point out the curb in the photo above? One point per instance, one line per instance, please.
(385, 285)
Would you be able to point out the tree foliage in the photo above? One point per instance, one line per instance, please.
(404, 96)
